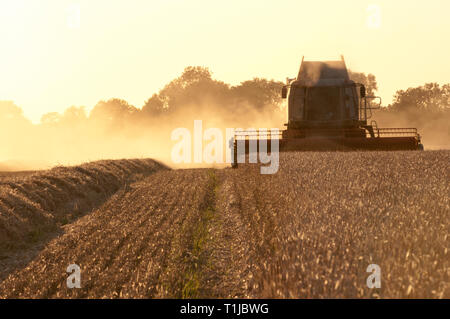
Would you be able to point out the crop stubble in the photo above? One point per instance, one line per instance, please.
(308, 231)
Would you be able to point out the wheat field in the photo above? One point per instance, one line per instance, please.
(309, 231)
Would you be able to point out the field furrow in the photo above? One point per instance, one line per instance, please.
(309, 231)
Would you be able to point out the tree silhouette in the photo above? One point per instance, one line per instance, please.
(9, 112)
(259, 93)
(369, 81)
(429, 98)
(193, 87)
(114, 113)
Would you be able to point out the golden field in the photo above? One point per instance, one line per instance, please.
(309, 231)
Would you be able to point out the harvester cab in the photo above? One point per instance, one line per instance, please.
(327, 111)
(323, 100)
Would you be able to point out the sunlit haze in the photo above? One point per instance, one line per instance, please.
(59, 53)
(249, 150)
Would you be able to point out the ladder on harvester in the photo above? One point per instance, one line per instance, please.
(374, 125)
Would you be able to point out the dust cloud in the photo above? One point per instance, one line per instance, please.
(434, 128)
(73, 140)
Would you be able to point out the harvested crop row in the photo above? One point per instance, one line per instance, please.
(33, 205)
(125, 247)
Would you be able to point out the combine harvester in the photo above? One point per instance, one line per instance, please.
(327, 112)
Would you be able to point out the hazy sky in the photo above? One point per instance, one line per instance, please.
(50, 59)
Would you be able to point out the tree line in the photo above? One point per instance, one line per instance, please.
(196, 90)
